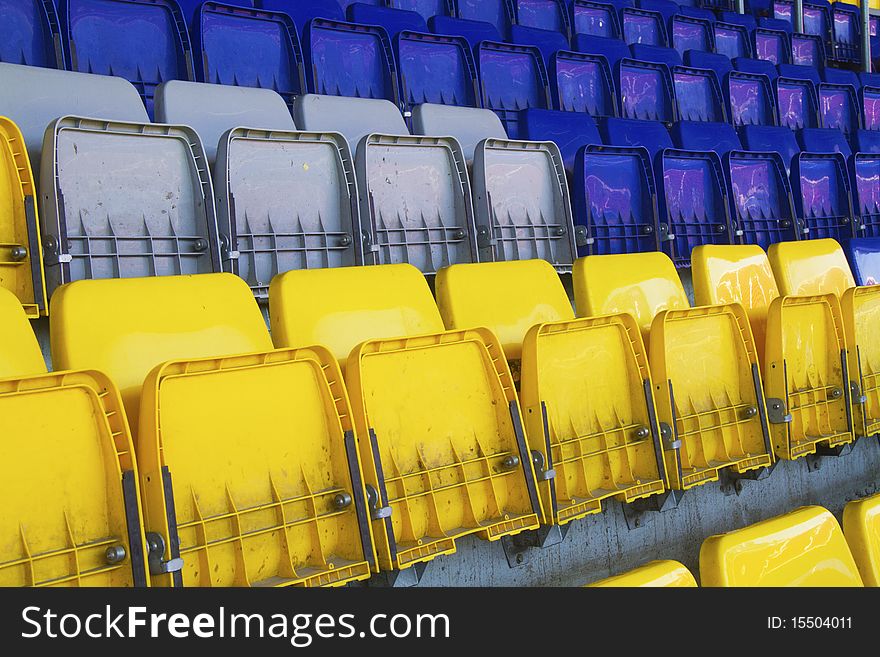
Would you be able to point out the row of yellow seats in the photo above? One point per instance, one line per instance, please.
(803, 548)
(261, 465)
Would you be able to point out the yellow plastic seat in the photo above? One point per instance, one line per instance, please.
(440, 430)
(814, 267)
(703, 365)
(71, 511)
(802, 548)
(861, 526)
(802, 342)
(241, 487)
(665, 573)
(596, 437)
(21, 252)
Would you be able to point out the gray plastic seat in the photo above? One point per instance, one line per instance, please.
(128, 200)
(521, 202)
(286, 200)
(467, 124)
(414, 192)
(212, 109)
(33, 97)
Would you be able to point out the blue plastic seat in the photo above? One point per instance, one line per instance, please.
(425, 8)
(775, 139)
(778, 24)
(817, 18)
(645, 90)
(249, 48)
(302, 11)
(613, 50)
(820, 185)
(472, 31)
(824, 140)
(143, 41)
(705, 136)
(497, 12)
(846, 31)
(691, 33)
(797, 97)
(807, 50)
(29, 33)
(345, 3)
(865, 180)
(393, 20)
(513, 78)
(630, 133)
(658, 54)
(614, 195)
(345, 59)
(762, 210)
(771, 45)
(643, 26)
(716, 62)
(547, 41)
(191, 9)
(839, 100)
(732, 39)
(863, 254)
(698, 95)
(570, 130)
(756, 67)
(543, 15)
(865, 141)
(696, 12)
(436, 69)
(583, 83)
(595, 18)
(750, 99)
(748, 21)
(666, 8)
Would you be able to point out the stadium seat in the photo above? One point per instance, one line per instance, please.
(521, 203)
(595, 18)
(393, 20)
(29, 34)
(415, 196)
(426, 8)
(34, 97)
(800, 340)
(346, 59)
(473, 31)
(818, 266)
(817, 18)
(797, 97)
(570, 130)
(441, 456)
(704, 136)
(807, 50)
(865, 174)
(645, 91)
(21, 251)
(583, 83)
(732, 40)
(122, 200)
(653, 574)
(747, 93)
(866, 141)
(547, 41)
(594, 439)
(542, 14)
(803, 548)
(302, 11)
(496, 12)
(824, 140)
(216, 501)
(143, 41)
(631, 133)
(643, 26)
(436, 69)
(513, 78)
(249, 48)
(747, 20)
(771, 44)
(821, 189)
(762, 209)
(775, 139)
(213, 109)
(703, 363)
(869, 101)
(839, 101)
(862, 253)
(861, 526)
(65, 444)
(688, 32)
(614, 196)
(470, 127)
(698, 95)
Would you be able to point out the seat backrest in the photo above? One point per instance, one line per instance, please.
(425, 8)
(810, 267)
(353, 117)
(436, 69)
(740, 274)
(771, 44)
(657, 54)
(497, 12)
(770, 139)
(824, 140)
(34, 97)
(705, 136)
(302, 11)
(610, 48)
(751, 99)
(647, 134)
(473, 31)
(643, 26)
(861, 526)
(126, 327)
(589, 18)
(507, 297)
(641, 284)
(654, 574)
(713, 61)
(340, 308)
(20, 353)
(247, 48)
(467, 124)
(583, 83)
(542, 14)
(30, 34)
(645, 91)
(212, 109)
(691, 33)
(798, 103)
(393, 20)
(821, 190)
(807, 50)
(144, 41)
(571, 131)
(732, 40)
(547, 41)
(803, 548)
(755, 66)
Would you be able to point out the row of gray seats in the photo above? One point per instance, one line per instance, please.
(120, 196)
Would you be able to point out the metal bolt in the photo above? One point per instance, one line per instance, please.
(775, 406)
(341, 500)
(647, 230)
(200, 244)
(749, 412)
(538, 460)
(345, 240)
(19, 253)
(721, 228)
(642, 432)
(835, 393)
(115, 554)
(559, 231)
(372, 496)
(458, 233)
(510, 462)
(785, 223)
